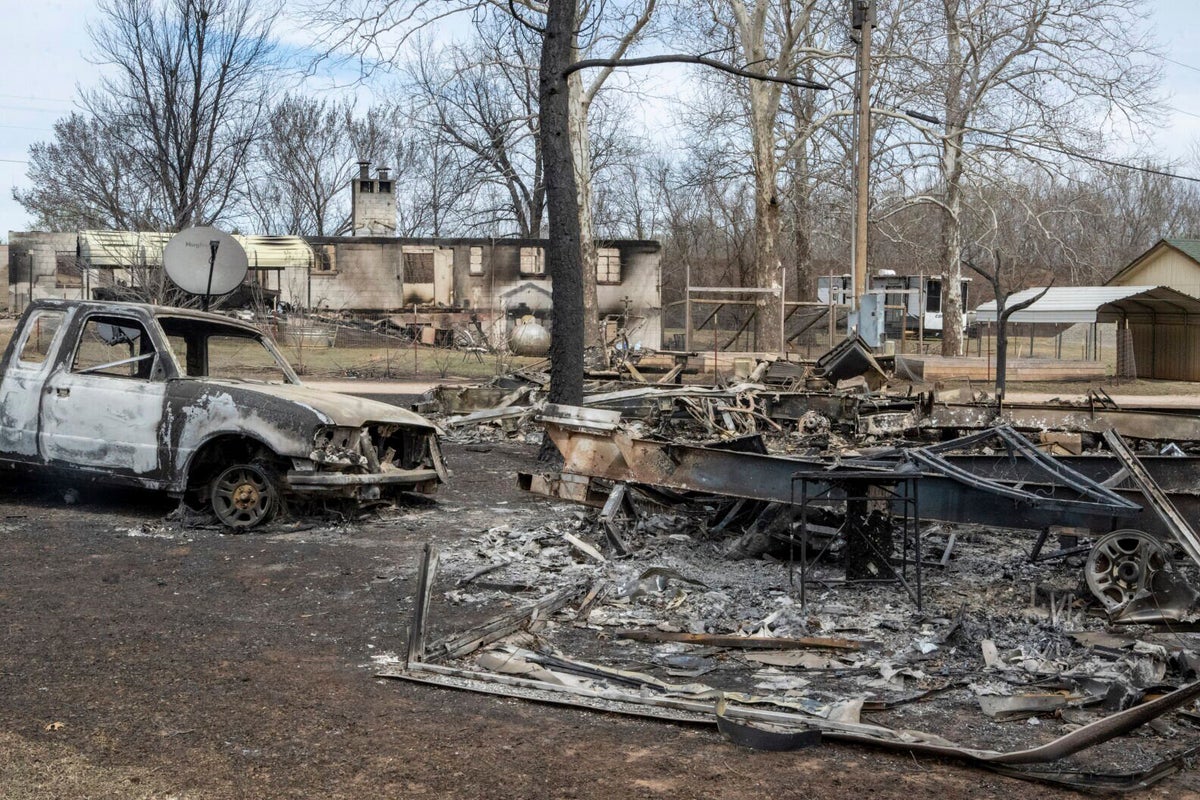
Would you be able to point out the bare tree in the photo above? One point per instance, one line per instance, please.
(184, 86)
(1008, 79)
(625, 198)
(302, 165)
(85, 178)
(608, 33)
(1004, 311)
(379, 31)
(1129, 212)
(776, 39)
(430, 183)
(775, 126)
(480, 100)
(441, 187)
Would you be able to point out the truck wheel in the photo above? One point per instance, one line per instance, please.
(244, 496)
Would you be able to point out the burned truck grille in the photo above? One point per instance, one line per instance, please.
(376, 447)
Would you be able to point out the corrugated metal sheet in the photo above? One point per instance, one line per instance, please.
(1167, 351)
(122, 249)
(1075, 304)
(1164, 323)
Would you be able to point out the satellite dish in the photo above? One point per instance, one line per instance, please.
(205, 261)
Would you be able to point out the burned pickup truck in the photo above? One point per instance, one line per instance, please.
(200, 406)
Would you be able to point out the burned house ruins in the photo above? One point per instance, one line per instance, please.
(445, 281)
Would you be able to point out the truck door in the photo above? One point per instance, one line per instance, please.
(21, 386)
(103, 408)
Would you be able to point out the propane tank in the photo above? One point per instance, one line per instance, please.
(529, 339)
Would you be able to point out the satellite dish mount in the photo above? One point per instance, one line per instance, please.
(213, 246)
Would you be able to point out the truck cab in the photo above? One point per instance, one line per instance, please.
(196, 403)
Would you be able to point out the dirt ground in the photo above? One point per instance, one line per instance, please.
(139, 661)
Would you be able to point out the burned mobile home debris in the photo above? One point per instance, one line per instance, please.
(713, 441)
(1129, 565)
(807, 555)
(199, 406)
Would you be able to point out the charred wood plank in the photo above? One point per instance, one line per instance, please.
(730, 641)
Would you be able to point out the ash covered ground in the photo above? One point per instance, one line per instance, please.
(142, 658)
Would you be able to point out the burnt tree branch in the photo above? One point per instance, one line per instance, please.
(683, 58)
(1003, 312)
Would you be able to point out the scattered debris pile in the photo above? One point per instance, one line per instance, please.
(864, 399)
(849, 590)
(1008, 667)
(805, 554)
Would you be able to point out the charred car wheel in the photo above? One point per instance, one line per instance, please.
(1123, 565)
(244, 495)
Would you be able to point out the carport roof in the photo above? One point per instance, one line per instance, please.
(1074, 304)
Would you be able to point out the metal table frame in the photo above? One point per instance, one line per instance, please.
(896, 488)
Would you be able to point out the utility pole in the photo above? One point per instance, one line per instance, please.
(862, 19)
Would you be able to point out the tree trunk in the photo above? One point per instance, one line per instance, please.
(952, 172)
(805, 283)
(803, 108)
(563, 251)
(768, 271)
(1001, 349)
(952, 313)
(582, 161)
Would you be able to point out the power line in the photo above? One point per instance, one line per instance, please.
(1180, 64)
(916, 115)
(1083, 156)
(1185, 113)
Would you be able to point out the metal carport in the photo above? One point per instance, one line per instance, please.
(1164, 323)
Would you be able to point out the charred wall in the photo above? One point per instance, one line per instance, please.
(497, 278)
(38, 266)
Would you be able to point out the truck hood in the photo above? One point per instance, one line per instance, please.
(338, 409)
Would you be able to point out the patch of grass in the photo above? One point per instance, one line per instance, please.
(421, 361)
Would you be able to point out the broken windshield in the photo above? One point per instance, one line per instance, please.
(206, 349)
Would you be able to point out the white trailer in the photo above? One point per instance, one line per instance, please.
(910, 300)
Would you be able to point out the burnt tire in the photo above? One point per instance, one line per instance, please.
(244, 496)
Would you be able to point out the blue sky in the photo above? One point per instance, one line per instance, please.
(43, 59)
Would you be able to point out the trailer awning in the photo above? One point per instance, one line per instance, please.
(127, 249)
(276, 252)
(122, 249)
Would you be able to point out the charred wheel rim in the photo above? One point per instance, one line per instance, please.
(1122, 564)
(243, 496)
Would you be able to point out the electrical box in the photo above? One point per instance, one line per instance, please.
(862, 11)
(867, 319)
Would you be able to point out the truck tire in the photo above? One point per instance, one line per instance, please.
(244, 496)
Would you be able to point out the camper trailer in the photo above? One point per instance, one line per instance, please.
(912, 301)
